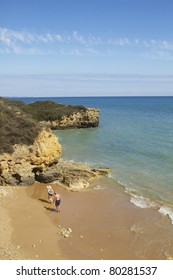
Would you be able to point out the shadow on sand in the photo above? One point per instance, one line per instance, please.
(50, 209)
(47, 208)
(44, 200)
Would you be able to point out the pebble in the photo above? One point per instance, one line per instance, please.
(81, 236)
(64, 231)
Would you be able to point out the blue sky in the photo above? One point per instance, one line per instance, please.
(86, 47)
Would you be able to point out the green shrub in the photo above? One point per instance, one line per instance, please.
(15, 128)
(19, 121)
(50, 111)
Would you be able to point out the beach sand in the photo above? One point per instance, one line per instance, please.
(104, 225)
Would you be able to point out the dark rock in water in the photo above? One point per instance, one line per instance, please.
(102, 171)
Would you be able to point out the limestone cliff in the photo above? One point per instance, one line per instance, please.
(53, 114)
(30, 151)
(18, 168)
(41, 162)
(80, 119)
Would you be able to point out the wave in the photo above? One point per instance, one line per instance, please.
(143, 202)
(137, 199)
(167, 211)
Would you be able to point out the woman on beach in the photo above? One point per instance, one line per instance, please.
(50, 192)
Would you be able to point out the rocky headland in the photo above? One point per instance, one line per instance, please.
(78, 119)
(29, 150)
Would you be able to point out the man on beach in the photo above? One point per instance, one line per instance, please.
(57, 201)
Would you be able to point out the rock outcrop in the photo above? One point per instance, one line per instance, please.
(73, 175)
(81, 119)
(18, 167)
(56, 115)
(40, 162)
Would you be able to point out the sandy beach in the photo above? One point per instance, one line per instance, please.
(27, 231)
(103, 225)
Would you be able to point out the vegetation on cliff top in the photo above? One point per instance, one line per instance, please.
(50, 111)
(45, 110)
(18, 121)
(16, 127)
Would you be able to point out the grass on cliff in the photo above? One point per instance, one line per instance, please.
(15, 126)
(45, 110)
(50, 111)
(18, 121)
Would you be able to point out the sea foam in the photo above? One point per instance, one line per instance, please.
(167, 211)
(142, 202)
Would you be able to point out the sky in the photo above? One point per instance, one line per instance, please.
(86, 47)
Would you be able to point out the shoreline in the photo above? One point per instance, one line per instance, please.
(104, 224)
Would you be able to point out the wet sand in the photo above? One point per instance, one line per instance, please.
(104, 224)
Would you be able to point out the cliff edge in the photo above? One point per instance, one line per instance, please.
(30, 151)
(24, 146)
(57, 116)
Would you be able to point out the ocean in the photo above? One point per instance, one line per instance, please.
(134, 139)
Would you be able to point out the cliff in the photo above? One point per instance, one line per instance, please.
(57, 116)
(81, 119)
(18, 168)
(24, 145)
(30, 151)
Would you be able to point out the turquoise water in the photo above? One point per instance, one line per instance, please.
(135, 139)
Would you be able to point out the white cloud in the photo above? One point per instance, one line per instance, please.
(78, 37)
(119, 42)
(71, 52)
(22, 42)
(158, 49)
(58, 37)
(166, 45)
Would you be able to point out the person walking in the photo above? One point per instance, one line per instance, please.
(50, 193)
(57, 201)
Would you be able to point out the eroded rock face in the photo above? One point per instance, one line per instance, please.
(18, 168)
(81, 119)
(73, 175)
(46, 148)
